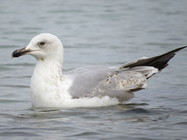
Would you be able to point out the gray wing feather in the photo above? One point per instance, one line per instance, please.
(85, 79)
(114, 82)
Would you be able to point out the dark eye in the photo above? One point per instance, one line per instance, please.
(42, 43)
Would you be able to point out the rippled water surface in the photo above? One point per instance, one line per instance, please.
(96, 32)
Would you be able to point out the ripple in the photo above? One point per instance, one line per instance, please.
(181, 123)
(3, 101)
(13, 134)
(135, 111)
(86, 134)
(16, 86)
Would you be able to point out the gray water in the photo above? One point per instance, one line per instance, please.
(96, 32)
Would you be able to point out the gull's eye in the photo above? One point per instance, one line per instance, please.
(41, 43)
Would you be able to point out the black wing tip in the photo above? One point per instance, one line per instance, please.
(159, 62)
(182, 47)
(163, 60)
(178, 49)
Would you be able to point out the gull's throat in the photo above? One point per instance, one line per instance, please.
(46, 82)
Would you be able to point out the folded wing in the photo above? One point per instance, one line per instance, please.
(119, 82)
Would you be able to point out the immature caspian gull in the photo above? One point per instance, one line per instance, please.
(89, 86)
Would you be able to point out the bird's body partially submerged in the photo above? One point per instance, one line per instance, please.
(87, 86)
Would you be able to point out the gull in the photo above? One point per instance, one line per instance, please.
(89, 86)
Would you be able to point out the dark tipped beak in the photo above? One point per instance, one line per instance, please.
(20, 52)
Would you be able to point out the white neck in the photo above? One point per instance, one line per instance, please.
(46, 82)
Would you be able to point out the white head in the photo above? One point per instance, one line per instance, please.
(43, 46)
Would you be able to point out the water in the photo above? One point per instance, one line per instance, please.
(96, 32)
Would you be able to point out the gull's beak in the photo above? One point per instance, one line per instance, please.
(20, 52)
